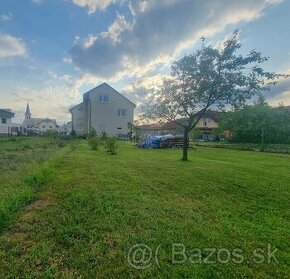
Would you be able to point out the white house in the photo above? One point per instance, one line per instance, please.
(104, 109)
(6, 116)
(38, 126)
(209, 121)
(65, 129)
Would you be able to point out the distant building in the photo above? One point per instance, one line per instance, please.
(104, 109)
(38, 126)
(205, 125)
(6, 116)
(65, 129)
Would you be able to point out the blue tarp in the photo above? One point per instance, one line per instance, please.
(154, 141)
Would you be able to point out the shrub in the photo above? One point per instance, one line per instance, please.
(111, 145)
(94, 142)
(104, 135)
(92, 133)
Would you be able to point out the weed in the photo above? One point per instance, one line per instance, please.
(111, 145)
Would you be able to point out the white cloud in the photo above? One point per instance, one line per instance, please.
(6, 17)
(281, 92)
(283, 98)
(93, 5)
(51, 99)
(11, 46)
(158, 32)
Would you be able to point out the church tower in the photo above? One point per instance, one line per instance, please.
(27, 113)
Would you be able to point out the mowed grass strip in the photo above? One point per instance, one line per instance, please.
(98, 206)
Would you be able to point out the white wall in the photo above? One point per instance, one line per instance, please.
(46, 125)
(104, 116)
(78, 121)
(4, 128)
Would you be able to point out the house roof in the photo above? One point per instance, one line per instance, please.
(75, 106)
(104, 84)
(27, 109)
(47, 119)
(150, 127)
(32, 121)
(6, 113)
(215, 115)
(35, 121)
(173, 125)
(99, 87)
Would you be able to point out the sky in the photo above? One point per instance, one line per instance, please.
(53, 51)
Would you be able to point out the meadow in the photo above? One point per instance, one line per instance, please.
(73, 212)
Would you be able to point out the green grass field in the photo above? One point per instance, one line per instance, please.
(86, 211)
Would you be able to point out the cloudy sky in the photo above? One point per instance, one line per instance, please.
(52, 51)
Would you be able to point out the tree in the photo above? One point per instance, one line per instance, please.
(258, 124)
(210, 77)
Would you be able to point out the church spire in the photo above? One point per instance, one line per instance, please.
(27, 113)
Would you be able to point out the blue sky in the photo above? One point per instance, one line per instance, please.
(52, 51)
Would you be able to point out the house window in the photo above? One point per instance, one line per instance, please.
(50, 127)
(43, 126)
(122, 112)
(104, 99)
(119, 128)
(4, 120)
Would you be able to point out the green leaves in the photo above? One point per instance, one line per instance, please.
(258, 124)
(211, 76)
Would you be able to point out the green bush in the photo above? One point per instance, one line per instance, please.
(104, 136)
(92, 133)
(111, 145)
(73, 133)
(94, 142)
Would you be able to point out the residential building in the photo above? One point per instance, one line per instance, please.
(65, 129)
(6, 116)
(205, 125)
(38, 126)
(104, 109)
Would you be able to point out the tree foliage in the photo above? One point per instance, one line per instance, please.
(216, 77)
(258, 124)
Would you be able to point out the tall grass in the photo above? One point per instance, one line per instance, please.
(23, 171)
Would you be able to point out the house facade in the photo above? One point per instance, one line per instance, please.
(205, 125)
(65, 129)
(104, 109)
(6, 116)
(38, 126)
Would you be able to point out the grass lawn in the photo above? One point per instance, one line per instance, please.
(271, 148)
(23, 169)
(85, 219)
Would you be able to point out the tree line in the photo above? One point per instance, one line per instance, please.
(258, 123)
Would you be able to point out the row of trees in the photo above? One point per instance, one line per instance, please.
(212, 77)
(257, 124)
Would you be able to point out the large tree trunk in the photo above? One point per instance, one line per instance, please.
(185, 144)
